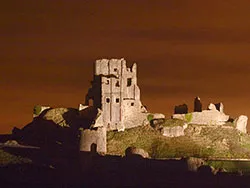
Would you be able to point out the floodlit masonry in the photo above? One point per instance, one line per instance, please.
(113, 103)
(115, 92)
(214, 115)
(116, 95)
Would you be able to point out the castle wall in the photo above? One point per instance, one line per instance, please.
(101, 67)
(91, 138)
(119, 94)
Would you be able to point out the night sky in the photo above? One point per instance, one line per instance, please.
(183, 48)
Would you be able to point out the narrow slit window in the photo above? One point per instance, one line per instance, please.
(129, 81)
(117, 84)
(117, 100)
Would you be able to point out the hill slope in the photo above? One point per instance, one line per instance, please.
(199, 141)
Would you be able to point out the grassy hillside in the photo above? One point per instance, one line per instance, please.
(199, 141)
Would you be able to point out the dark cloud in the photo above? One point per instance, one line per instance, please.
(183, 49)
(178, 35)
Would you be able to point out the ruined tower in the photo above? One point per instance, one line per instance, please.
(115, 92)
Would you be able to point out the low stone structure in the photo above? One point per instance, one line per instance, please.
(206, 117)
(94, 140)
(241, 123)
(212, 116)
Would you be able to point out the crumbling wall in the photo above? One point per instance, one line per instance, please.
(206, 117)
(117, 94)
(93, 140)
(213, 116)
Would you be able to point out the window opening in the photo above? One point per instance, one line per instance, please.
(117, 84)
(108, 100)
(117, 100)
(129, 81)
(132, 104)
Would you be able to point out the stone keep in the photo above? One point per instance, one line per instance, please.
(115, 91)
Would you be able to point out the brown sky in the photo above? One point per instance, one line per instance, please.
(184, 48)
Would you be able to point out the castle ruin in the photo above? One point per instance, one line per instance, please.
(115, 92)
(116, 96)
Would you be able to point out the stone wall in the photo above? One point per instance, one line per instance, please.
(206, 117)
(115, 91)
(93, 140)
(213, 116)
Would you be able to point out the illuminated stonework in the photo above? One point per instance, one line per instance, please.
(115, 92)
